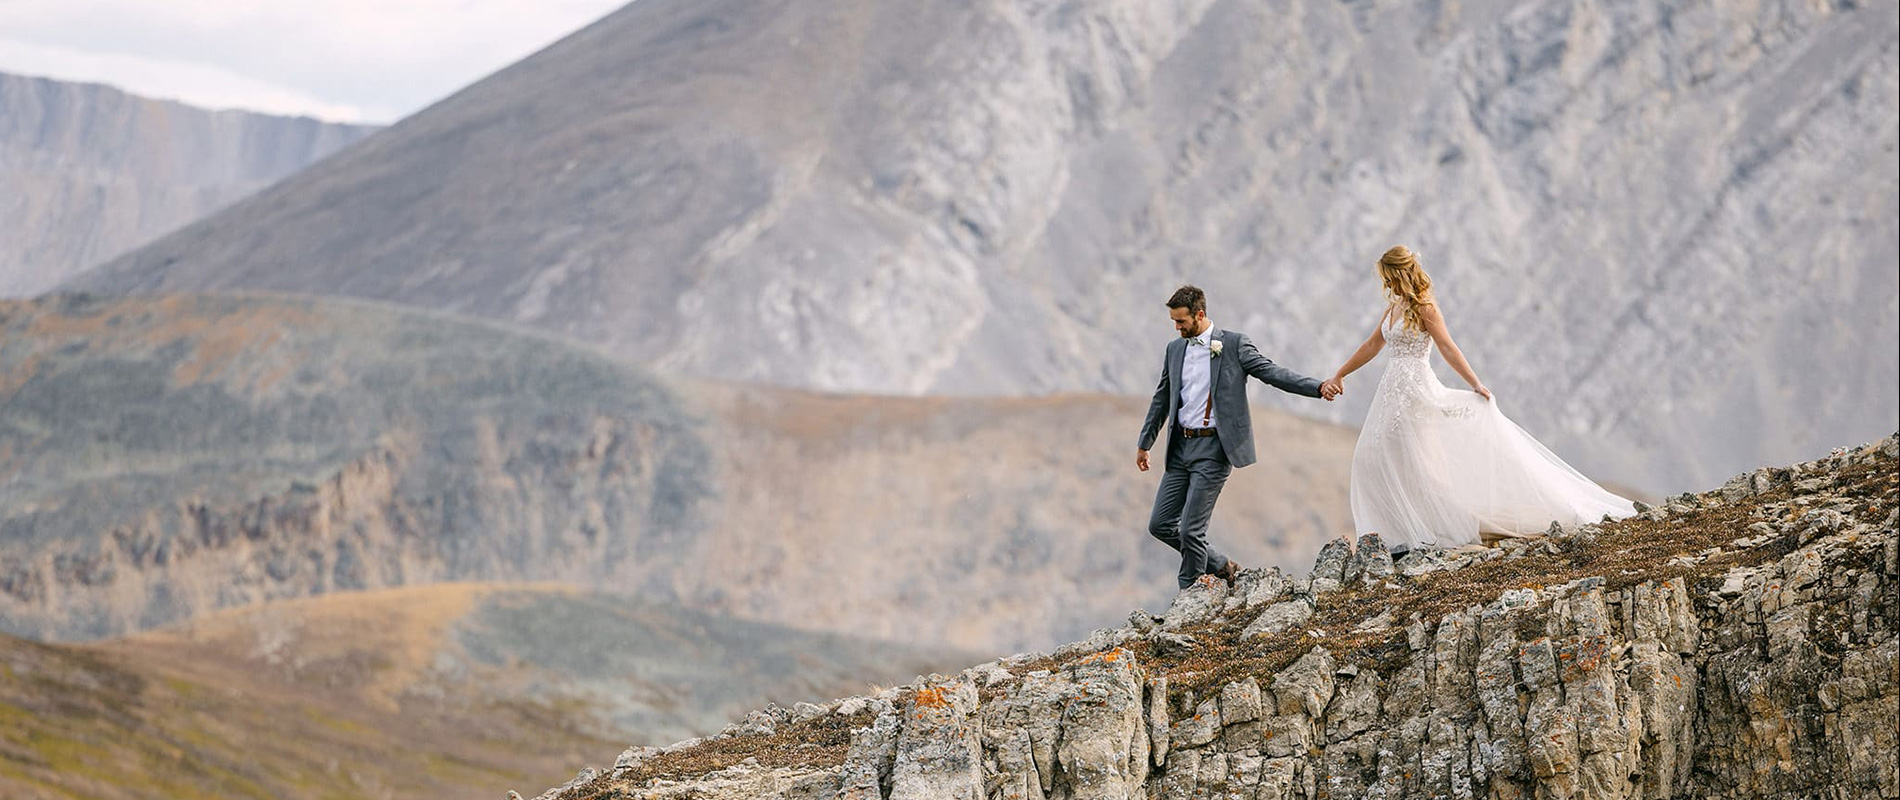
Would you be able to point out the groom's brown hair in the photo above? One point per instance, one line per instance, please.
(1190, 298)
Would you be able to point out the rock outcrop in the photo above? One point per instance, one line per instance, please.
(1736, 644)
(924, 197)
(88, 172)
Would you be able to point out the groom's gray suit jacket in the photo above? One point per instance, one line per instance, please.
(1238, 359)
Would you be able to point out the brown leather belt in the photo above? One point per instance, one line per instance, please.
(1194, 433)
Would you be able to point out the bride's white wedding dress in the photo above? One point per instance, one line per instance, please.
(1438, 467)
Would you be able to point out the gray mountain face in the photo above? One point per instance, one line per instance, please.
(88, 172)
(1652, 225)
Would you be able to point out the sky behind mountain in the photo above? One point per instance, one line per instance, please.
(363, 61)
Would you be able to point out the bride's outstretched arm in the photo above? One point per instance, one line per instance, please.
(1365, 353)
(1435, 325)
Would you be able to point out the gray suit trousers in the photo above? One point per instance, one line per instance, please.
(1196, 470)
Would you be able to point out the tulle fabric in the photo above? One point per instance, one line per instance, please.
(1443, 467)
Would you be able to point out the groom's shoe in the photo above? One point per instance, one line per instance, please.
(1229, 572)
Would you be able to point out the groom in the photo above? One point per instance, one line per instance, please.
(1203, 399)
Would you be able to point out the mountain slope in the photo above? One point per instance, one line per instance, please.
(165, 457)
(82, 723)
(419, 692)
(1650, 223)
(88, 172)
(1739, 643)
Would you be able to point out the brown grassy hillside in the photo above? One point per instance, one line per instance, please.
(415, 692)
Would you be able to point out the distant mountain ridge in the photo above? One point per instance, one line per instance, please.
(1651, 224)
(88, 172)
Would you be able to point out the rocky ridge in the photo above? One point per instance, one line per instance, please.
(1739, 643)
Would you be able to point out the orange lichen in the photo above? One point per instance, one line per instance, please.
(934, 697)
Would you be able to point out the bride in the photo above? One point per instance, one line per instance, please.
(1442, 467)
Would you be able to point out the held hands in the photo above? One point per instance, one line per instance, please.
(1331, 388)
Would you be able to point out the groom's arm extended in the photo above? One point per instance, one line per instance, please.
(1272, 374)
(1157, 410)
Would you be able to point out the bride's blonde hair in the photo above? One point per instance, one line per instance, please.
(1406, 283)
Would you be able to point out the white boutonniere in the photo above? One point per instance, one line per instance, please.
(1214, 347)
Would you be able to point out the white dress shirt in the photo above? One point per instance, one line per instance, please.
(1197, 379)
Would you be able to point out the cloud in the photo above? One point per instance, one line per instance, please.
(350, 60)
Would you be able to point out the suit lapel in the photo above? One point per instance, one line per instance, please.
(1214, 364)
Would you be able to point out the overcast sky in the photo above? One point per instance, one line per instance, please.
(344, 60)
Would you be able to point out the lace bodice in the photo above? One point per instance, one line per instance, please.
(1404, 342)
(1409, 390)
